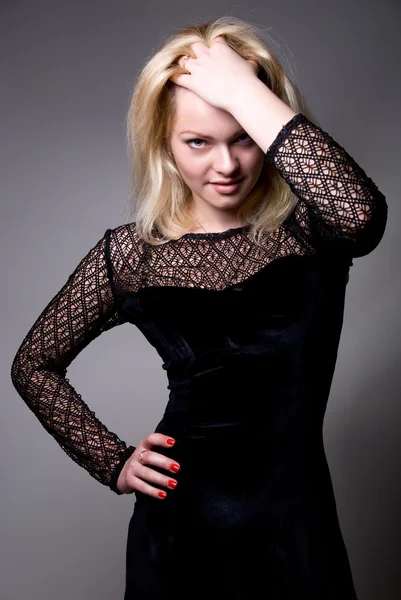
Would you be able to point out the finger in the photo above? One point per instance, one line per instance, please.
(161, 461)
(158, 439)
(145, 488)
(156, 478)
(183, 59)
(180, 79)
(219, 38)
(254, 64)
(139, 475)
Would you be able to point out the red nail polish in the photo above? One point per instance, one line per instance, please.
(162, 494)
(170, 441)
(175, 467)
(172, 483)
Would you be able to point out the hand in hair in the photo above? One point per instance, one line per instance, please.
(215, 72)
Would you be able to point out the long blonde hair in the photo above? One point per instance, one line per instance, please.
(160, 198)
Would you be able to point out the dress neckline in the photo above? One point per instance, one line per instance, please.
(214, 234)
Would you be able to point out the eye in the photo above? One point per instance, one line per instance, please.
(244, 135)
(248, 138)
(189, 142)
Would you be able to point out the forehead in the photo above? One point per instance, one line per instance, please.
(192, 112)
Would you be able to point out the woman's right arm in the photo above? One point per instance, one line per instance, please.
(82, 309)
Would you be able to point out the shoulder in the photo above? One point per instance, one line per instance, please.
(124, 238)
(124, 249)
(123, 230)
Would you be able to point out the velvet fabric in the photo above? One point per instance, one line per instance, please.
(249, 370)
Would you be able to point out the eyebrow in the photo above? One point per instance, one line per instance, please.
(209, 137)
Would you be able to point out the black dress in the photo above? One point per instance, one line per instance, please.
(248, 335)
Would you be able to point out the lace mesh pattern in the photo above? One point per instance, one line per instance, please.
(211, 261)
(345, 207)
(79, 313)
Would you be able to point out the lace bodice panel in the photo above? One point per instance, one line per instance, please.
(339, 208)
(211, 261)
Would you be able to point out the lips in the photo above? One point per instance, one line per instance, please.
(220, 182)
(227, 188)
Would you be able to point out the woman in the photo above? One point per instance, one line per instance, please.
(235, 269)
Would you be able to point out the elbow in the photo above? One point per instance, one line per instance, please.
(21, 371)
(26, 372)
(371, 232)
(16, 370)
(30, 370)
(356, 237)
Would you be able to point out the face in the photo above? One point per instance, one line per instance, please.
(218, 150)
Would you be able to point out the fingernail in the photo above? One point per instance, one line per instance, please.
(170, 441)
(172, 483)
(162, 494)
(175, 467)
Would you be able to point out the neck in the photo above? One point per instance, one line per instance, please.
(210, 225)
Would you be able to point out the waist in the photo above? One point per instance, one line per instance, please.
(233, 428)
(234, 400)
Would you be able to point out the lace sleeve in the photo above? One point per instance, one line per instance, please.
(339, 204)
(82, 309)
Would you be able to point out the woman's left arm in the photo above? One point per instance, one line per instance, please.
(339, 206)
(345, 208)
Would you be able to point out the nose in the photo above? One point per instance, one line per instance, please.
(225, 162)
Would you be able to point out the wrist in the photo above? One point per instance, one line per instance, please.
(260, 112)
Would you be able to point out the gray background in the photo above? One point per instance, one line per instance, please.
(66, 74)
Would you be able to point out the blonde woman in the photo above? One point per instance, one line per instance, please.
(248, 217)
